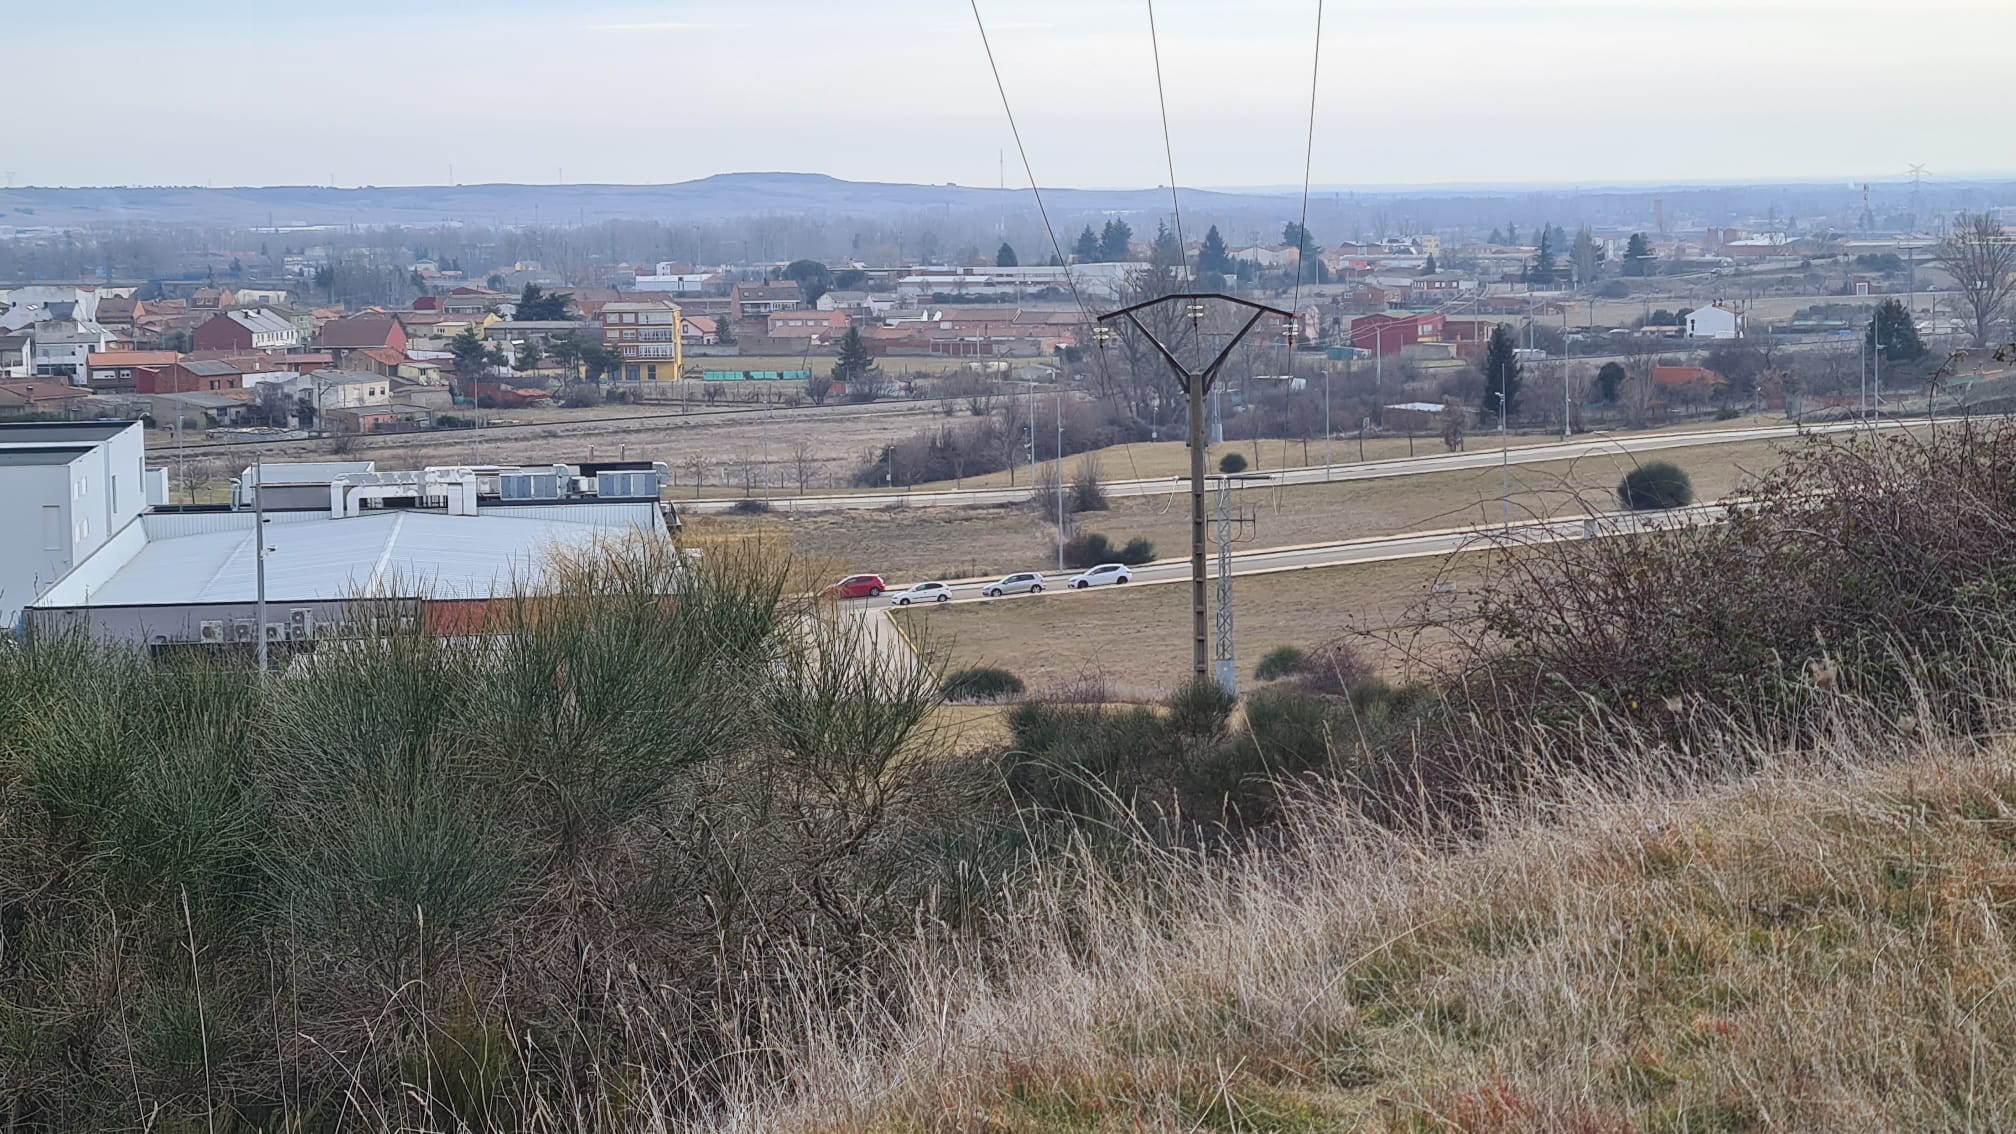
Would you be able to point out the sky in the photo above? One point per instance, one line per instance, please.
(1411, 92)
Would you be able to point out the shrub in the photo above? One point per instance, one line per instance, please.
(1654, 486)
(581, 395)
(1280, 662)
(750, 507)
(1087, 549)
(1087, 494)
(1137, 552)
(1334, 669)
(981, 683)
(1232, 463)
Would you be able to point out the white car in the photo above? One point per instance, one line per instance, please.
(1102, 575)
(922, 592)
(1023, 583)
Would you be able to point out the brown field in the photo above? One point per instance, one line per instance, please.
(1137, 639)
(953, 543)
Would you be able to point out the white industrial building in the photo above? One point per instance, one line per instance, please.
(344, 543)
(66, 491)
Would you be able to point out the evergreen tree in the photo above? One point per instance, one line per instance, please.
(1114, 241)
(1429, 269)
(1005, 257)
(1543, 264)
(1087, 250)
(1501, 374)
(1638, 256)
(1894, 334)
(535, 305)
(1297, 237)
(854, 363)
(1055, 262)
(1165, 252)
(1497, 237)
(1609, 381)
(1212, 255)
(1512, 234)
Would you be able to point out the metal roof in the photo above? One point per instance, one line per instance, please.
(303, 472)
(56, 432)
(397, 554)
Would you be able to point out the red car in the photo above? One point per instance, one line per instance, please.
(857, 586)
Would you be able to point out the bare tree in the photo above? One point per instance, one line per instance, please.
(697, 465)
(803, 465)
(1981, 258)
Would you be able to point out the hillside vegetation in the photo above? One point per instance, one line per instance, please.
(1819, 949)
(1703, 830)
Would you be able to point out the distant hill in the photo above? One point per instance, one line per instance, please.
(721, 197)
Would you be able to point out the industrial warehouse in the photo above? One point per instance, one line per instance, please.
(346, 545)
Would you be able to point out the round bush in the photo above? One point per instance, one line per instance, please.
(1232, 463)
(750, 507)
(981, 683)
(1280, 662)
(1334, 669)
(1654, 486)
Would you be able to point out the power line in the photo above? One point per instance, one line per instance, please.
(1169, 150)
(1056, 246)
(1308, 159)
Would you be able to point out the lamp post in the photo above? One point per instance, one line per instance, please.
(1196, 384)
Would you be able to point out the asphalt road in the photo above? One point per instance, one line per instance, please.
(1482, 457)
(1344, 553)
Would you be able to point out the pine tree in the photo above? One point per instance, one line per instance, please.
(1894, 333)
(1543, 264)
(1115, 241)
(1501, 374)
(1638, 255)
(1004, 257)
(1212, 255)
(1165, 252)
(1609, 381)
(854, 364)
(1087, 250)
(1497, 237)
(1429, 269)
(1512, 234)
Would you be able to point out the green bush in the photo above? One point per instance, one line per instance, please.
(1654, 486)
(1090, 549)
(750, 507)
(1232, 463)
(981, 683)
(1280, 662)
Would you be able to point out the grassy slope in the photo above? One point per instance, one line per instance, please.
(1825, 951)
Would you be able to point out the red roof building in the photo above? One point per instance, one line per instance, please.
(1389, 334)
(362, 332)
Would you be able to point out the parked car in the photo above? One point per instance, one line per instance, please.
(857, 586)
(1102, 575)
(922, 592)
(1024, 583)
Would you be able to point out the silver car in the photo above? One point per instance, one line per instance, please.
(1023, 583)
(922, 592)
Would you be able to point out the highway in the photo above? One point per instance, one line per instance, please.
(1590, 445)
(1343, 553)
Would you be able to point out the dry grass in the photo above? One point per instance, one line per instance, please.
(1822, 950)
(1138, 638)
(1172, 458)
(913, 543)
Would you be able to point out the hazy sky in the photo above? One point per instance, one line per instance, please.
(1412, 92)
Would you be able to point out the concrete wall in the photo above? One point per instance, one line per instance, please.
(35, 514)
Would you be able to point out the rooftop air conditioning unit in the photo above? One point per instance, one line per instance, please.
(276, 631)
(211, 631)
